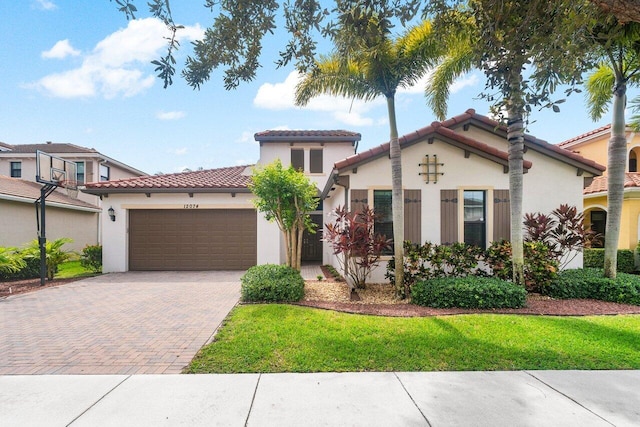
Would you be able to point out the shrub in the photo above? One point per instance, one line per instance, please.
(272, 283)
(10, 260)
(540, 267)
(468, 292)
(54, 254)
(91, 258)
(352, 238)
(591, 283)
(428, 261)
(594, 258)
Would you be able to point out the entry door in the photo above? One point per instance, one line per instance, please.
(312, 243)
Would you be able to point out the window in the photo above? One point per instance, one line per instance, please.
(80, 172)
(475, 229)
(297, 159)
(104, 173)
(598, 225)
(16, 169)
(315, 160)
(384, 215)
(633, 162)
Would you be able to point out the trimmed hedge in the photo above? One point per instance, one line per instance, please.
(594, 258)
(272, 283)
(590, 283)
(468, 292)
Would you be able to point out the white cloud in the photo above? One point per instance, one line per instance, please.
(45, 5)
(418, 87)
(179, 151)
(246, 136)
(280, 96)
(170, 115)
(469, 80)
(117, 65)
(60, 50)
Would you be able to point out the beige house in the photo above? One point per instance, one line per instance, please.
(455, 175)
(594, 145)
(72, 213)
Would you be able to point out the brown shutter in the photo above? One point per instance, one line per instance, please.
(359, 200)
(413, 216)
(88, 172)
(501, 215)
(448, 216)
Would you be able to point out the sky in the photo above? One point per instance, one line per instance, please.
(76, 71)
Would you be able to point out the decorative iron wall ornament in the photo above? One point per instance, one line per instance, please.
(431, 169)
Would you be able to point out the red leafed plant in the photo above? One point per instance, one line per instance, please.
(351, 236)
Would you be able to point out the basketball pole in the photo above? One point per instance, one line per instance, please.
(42, 228)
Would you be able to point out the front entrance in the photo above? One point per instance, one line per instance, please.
(312, 243)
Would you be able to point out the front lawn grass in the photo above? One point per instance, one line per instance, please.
(71, 270)
(284, 338)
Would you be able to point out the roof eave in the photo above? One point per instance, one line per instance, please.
(143, 190)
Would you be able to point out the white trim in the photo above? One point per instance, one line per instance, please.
(54, 204)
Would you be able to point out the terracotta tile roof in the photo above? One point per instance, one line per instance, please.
(31, 190)
(307, 135)
(600, 183)
(445, 129)
(211, 180)
(47, 147)
(585, 135)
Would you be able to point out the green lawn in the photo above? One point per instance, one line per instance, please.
(284, 338)
(72, 269)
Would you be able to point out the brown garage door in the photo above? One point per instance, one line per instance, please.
(192, 239)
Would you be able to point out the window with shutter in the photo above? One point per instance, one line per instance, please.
(448, 216)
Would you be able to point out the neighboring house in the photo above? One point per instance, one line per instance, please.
(19, 162)
(594, 145)
(455, 175)
(65, 216)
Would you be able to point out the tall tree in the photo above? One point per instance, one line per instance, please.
(285, 196)
(618, 48)
(522, 46)
(368, 63)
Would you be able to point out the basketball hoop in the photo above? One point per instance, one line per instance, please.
(72, 188)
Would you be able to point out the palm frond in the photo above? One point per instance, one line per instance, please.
(456, 64)
(634, 121)
(599, 87)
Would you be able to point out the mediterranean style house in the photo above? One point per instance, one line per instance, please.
(69, 214)
(455, 175)
(594, 145)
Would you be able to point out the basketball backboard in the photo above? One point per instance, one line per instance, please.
(56, 171)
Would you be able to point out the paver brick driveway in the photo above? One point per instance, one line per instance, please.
(119, 323)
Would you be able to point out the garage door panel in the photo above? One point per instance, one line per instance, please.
(192, 239)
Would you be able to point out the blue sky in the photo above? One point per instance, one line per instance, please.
(77, 71)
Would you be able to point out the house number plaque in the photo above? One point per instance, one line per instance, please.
(191, 206)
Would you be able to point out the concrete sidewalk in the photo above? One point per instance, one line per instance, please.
(519, 398)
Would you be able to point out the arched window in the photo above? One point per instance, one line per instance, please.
(633, 161)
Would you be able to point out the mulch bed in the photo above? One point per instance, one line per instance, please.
(29, 285)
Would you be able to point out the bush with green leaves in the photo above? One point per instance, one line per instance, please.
(54, 254)
(272, 283)
(91, 258)
(540, 267)
(468, 292)
(428, 261)
(594, 258)
(11, 260)
(590, 283)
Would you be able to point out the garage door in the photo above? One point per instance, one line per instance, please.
(192, 239)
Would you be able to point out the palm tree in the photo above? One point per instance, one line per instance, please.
(620, 67)
(502, 38)
(367, 64)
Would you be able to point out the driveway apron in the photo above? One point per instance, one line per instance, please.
(118, 323)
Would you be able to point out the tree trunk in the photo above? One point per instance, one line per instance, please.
(515, 136)
(397, 200)
(616, 165)
(287, 244)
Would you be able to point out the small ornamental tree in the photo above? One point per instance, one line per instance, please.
(352, 238)
(563, 232)
(285, 196)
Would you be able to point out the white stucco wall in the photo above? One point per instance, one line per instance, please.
(548, 184)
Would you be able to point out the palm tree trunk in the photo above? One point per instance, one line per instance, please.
(515, 136)
(616, 165)
(397, 200)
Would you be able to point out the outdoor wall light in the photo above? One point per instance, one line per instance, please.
(112, 214)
